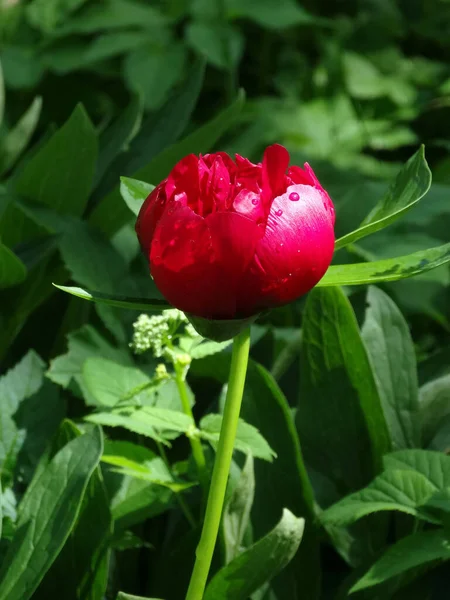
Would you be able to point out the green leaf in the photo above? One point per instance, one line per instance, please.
(221, 44)
(109, 382)
(19, 137)
(208, 348)
(157, 131)
(410, 552)
(142, 304)
(402, 490)
(284, 14)
(260, 563)
(435, 466)
(82, 344)
(410, 185)
(134, 193)
(81, 568)
(12, 269)
(248, 438)
(133, 500)
(148, 420)
(115, 138)
(393, 359)
(45, 16)
(236, 513)
(47, 515)
(434, 406)
(390, 269)
(340, 420)
(68, 162)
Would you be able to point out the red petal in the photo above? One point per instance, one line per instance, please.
(298, 175)
(294, 253)
(275, 163)
(149, 215)
(218, 186)
(184, 178)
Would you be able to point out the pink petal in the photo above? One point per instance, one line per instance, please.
(249, 204)
(298, 175)
(275, 163)
(294, 253)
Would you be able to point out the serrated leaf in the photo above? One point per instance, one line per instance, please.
(208, 348)
(149, 421)
(392, 355)
(110, 383)
(435, 466)
(134, 193)
(47, 514)
(390, 269)
(410, 185)
(248, 438)
(435, 405)
(410, 552)
(401, 490)
(142, 304)
(260, 563)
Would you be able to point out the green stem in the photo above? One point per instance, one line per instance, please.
(181, 501)
(205, 548)
(196, 445)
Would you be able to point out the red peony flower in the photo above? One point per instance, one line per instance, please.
(227, 239)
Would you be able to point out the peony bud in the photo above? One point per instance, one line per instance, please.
(227, 239)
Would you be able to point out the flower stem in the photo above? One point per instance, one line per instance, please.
(205, 548)
(196, 445)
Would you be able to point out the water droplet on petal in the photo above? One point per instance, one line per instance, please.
(255, 201)
(279, 212)
(172, 243)
(294, 196)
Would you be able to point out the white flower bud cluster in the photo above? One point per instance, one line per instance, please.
(155, 333)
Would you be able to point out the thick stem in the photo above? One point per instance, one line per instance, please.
(196, 445)
(205, 548)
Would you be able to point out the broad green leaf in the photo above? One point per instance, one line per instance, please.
(236, 513)
(208, 348)
(81, 568)
(134, 193)
(2, 95)
(45, 16)
(149, 421)
(68, 162)
(284, 14)
(115, 138)
(410, 185)
(410, 552)
(434, 407)
(340, 419)
(47, 515)
(133, 500)
(12, 269)
(392, 356)
(402, 490)
(220, 43)
(248, 438)
(82, 344)
(154, 471)
(390, 269)
(109, 383)
(260, 563)
(142, 304)
(435, 466)
(19, 137)
(158, 131)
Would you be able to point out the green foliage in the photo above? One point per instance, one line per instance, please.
(98, 101)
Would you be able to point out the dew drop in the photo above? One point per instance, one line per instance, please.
(279, 212)
(255, 201)
(172, 243)
(294, 196)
